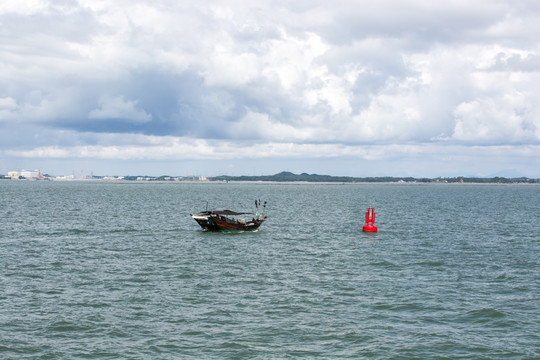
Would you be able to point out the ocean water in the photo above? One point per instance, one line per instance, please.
(97, 270)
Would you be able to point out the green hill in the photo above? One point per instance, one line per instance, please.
(286, 176)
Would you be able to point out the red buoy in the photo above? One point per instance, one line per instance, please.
(370, 221)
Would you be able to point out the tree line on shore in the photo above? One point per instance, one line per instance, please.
(286, 176)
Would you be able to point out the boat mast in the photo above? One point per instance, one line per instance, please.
(257, 207)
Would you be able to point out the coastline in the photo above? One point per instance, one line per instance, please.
(275, 182)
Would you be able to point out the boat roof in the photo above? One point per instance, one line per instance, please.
(228, 212)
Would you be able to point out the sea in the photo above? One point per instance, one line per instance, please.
(119, 270)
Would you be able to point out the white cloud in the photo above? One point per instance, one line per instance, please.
(497, 121)
(291, 59)
(8, 103)
(170, 148)
(27, 7)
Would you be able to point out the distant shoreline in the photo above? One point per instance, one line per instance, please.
(288, 177)
(261, 182)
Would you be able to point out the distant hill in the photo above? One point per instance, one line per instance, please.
(286, 176)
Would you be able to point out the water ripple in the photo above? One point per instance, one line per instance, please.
(122, 271)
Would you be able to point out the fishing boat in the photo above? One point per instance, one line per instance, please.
(228, 221)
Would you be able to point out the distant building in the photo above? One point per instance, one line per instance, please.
(26, 174)
(66, 177)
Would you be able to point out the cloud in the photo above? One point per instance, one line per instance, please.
(118, 108)
(29, 7)
(7, 106)
(8, 103)
(378, 160)
(317, 78)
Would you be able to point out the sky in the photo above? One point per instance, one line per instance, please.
(241, 87)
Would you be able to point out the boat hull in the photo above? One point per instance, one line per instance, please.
(215, 223)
